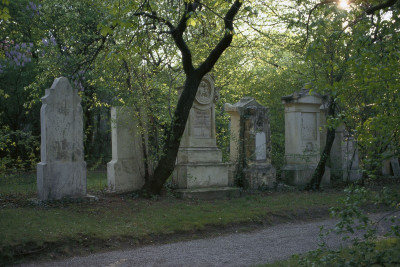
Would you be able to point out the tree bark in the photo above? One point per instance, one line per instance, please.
(319, 172)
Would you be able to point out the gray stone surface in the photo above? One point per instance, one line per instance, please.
(391, 167)
(62, 170)
(395, 166)
(344, 159)
(302, 136)
(125, 172)
(250, 144)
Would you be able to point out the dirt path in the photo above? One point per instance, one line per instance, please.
(259, 247)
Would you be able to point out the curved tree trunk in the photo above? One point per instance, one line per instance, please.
(319, 172)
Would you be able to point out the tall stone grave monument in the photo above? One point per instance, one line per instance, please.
(62, 170)
(344, 159)
(302, 137)
(250, 144)
(199, 170)
(125, 172)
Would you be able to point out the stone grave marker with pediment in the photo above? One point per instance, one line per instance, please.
(250, 144)
(62, 170)
(302, 137)
(199, 170)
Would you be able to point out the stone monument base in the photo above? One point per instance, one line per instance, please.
(123, 176)
(208, 193)
(200, 175)
(300, 175)
(61, 179)
(260, 176)
(198, 155)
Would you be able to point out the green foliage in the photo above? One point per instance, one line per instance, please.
(363, 251)
(18, 150)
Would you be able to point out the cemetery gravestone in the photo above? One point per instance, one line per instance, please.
(344, 157)
(302, 137)
(125, 172)
(395, 166)
(250, 144)
(391, 167)
(62, 170)
(199, 170)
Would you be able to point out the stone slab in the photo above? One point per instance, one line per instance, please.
(62, 170)
(199, 155)
(209, 193)
(300, 175)
(395, 166)
(124, 175)
(260, 176)
(126, 170)
(201, 175)
(70, 182)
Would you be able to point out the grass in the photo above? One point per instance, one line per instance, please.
(25, 183)
(31, 231)
(25, 227)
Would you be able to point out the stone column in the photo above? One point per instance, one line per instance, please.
(62, 170)
(250, 144)
(199, 170)
(126, 170)
(302, 137)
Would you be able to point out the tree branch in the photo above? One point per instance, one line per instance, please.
(177, 35)
(309, 17)
(224, 43)
(375, 8)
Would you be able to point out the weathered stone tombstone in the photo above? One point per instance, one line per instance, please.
(126, 170)
(395, 166)
(344, 159)
(250, 144)
(62, 170)
(199, 170)
(302, 137)
(391, 167)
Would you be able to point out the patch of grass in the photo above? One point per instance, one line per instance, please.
(25, 183)
(20, 183)
(112, 217)
(96, 181)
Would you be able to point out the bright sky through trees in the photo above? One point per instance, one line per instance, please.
(343, 4)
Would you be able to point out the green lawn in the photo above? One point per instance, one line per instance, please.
(25, 183)
(30, 230)
(25, 225)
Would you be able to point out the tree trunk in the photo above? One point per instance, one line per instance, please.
(166, 163)
(319, 172)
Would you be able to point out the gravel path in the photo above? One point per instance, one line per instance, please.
(240, 249)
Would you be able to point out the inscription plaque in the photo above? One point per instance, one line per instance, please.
(261, 146)
(202, 123)
(309, 126)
